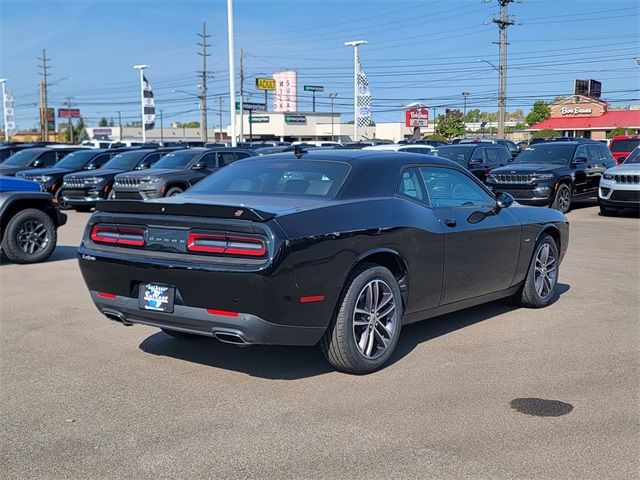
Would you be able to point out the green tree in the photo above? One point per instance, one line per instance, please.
(434, 136)
(539, 112)
(473, 116)
(516, 116)
(547, 133)
(193, 124)
(488, 117)
(616, 131)
(103, 122)
(79, 131)
(451, 125)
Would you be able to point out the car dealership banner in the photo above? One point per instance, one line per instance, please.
(149, 105)
(416, 117)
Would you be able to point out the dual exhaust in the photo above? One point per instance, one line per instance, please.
(224, 337)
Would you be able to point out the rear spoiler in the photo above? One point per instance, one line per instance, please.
(188, 209)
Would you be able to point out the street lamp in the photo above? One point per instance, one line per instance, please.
(355, 44)
(141, 69)
(332, 96)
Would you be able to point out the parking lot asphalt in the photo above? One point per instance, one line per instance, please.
(492, 392)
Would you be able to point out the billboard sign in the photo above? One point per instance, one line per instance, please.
(416, 117)
(595, 88)
(313, 88)
(581, 87)
(68, 113)
(285, 98)
(265, 83)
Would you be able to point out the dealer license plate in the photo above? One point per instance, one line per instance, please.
(156, 297)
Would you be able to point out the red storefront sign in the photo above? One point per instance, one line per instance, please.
(416, 117)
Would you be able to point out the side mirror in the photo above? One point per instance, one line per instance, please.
(143, 166)
(503, 200)
(199, 166)
(580, 160)
(476, 161)
(37, 164)
(91, 166)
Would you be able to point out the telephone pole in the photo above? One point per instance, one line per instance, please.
(203, 82)
(504, 21)
(70, 127)
(220, 111)
(44, 73)
(241, 96)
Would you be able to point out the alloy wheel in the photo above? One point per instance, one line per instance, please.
(545, 271)
(32, 236)
(374, 318)
(564, 199)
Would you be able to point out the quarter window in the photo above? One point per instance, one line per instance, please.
(450, 188)
(410, 184)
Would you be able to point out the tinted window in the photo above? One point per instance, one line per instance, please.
(451, 188)
(240, 155)
(624, 145)
(556, 153)
(504, 155)
(478, 154)
(22, 158)
(594, 154)
(209, 160)
(276, 177)
(99, 161)
(634, 157)
(492, 157)
(459, 154)
(226, 158)
(125, 161)
(178, 159)
(48, 159)
(410, 184)
(76, 160)
(583, 152)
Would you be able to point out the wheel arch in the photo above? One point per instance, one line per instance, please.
(176, 183)
(386, 257)
(552, 230)
(12, 207)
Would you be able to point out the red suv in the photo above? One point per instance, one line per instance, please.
(622, 145)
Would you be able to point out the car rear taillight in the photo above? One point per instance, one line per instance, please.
(117, 235)
(226, 244)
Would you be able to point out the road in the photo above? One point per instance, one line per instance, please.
(83, 397)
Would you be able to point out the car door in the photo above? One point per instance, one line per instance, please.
(482, 244)
(477, 163)
(579, 170)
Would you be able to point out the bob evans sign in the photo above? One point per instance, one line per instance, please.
(575, 111)
(416, 117)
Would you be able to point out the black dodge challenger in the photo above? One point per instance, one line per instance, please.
(335, 247)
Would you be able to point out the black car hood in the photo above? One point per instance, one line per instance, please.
(49, 171)
(11, 169)
(528, 168)
(154, 172)
(96, 173)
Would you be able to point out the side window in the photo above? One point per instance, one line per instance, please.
(226, 158)
(410, 184)
(492, 156)
(100, 160)
(478, 155)
(48, 159)
(151, 159)
(60, 154)
(450, 188)
(241, 155)
(606, 156)
(581, 151)
(209, 160)
(505, 155)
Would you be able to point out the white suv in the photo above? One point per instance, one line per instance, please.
(620, 186)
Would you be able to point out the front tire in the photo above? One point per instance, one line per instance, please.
(365, 330)
(62, 203)
(540, 284)
(562, 200)
(174, 191)
(30, 237)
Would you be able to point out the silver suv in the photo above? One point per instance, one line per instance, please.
(620, 186)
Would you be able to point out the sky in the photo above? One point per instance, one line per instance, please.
(418, 50)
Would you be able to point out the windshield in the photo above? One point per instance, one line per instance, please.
(125, 161)
(625, 145)
(76, 160)
(22, 158)
(459, 154)
(546, 153)
(275, 177)
(634, 157)
(176, 160)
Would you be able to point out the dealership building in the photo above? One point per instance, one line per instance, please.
(588, 117)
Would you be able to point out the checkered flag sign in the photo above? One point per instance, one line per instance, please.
(149, 105)
(363, 99)
(10, 124)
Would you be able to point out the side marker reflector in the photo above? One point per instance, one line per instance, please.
(110, 296)
(312, 299)
(224, 313)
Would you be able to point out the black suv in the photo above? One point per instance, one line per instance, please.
(50, 179)
(40, 157)
(478, 158)
(82, 190)
(174, 173)
(8, 149)
(554, 173)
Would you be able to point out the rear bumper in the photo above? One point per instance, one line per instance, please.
(250, 328)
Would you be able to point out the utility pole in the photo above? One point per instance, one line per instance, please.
(504, 21)
(220, 111)
(332, 96)
(203, 83)
(241, 96)
(464, 115)
(120, 126)
(70, 127)
(161, 129)
(44, 73)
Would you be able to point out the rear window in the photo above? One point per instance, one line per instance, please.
(317, 178)
(624, 145)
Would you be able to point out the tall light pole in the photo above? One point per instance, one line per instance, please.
(141, 69)
(3, 81)
(355, 44)
(332, 96)
(232, 73)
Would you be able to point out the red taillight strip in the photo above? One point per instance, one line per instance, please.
(224, 244)
(225, 313)
(131, 236)
(110, 296)
(312, 298)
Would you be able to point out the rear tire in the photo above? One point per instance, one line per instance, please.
(183, 335)
(562, 200)
(539, 287)
(364, 331)
(30, 237)
(174, 191)
(608, 211)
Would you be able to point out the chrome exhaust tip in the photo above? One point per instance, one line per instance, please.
(117, 317)
(233, 338)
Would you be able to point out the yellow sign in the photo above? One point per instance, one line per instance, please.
(265, 84)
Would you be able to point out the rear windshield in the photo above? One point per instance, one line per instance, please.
(624, 145)
(176, 159)
(457, 153)
(277, 177)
